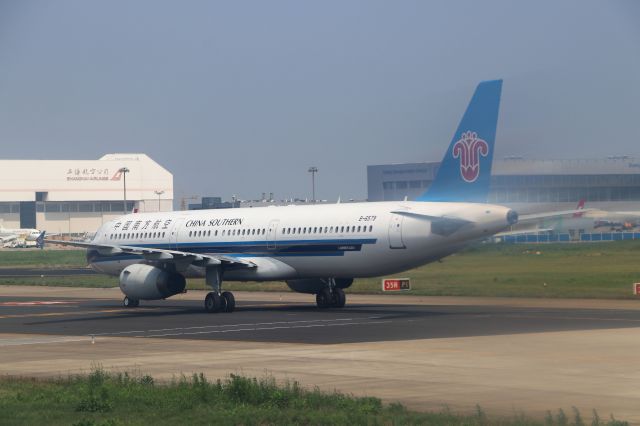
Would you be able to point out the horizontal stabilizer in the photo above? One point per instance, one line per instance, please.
(440, 225)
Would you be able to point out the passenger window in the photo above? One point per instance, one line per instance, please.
(223, 232)
(358, 229)
(370, 228)
(216, 233)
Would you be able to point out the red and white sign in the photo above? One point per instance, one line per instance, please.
(636, 289)
(396, 284)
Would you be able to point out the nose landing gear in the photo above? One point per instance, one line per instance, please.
(331, 297)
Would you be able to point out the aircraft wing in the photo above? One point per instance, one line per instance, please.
(160, 255)
(545, 215)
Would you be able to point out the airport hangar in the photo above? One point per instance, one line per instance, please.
(528, 185)
(532, 186)
(73, 197)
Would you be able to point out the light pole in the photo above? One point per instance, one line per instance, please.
(159, 193)
(313, 170)
(124, 172)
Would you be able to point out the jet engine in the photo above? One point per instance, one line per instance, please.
(146, 282)
(315, 285)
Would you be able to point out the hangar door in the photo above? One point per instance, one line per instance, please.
(27, 214)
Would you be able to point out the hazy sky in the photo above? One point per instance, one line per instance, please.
(241, 97)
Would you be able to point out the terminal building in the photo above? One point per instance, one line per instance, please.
(529, 186)
(72, 197)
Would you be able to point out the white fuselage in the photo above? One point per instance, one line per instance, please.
(28, 234)
(338, 240)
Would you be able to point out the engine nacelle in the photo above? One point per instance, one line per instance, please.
(146, 282)
(315, 285)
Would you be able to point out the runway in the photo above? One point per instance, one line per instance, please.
(508, 355)
(294, 321)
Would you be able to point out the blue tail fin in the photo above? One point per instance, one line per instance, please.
(465, 171)
(40, 240)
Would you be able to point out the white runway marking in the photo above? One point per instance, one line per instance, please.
(39, 303)
(41, 340)
(235, 328)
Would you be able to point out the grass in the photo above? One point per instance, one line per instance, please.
(598, 270)
(124, 399)
(25, 258)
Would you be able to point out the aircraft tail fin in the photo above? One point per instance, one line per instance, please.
(40, 240)
(465, 171)
(579, 207)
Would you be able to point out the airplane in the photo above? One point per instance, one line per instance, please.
(574, 222)
(558, 221)
(27, 234)
(316, 249)
(615, 220)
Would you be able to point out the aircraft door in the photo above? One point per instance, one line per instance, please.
(395, 232)
(272, 234)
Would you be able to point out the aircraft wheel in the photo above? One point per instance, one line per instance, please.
(324, 298)
(339, 298)
(130, 303)
(230, 300)
(212, 302)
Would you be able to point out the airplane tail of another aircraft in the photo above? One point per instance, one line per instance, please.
(40, 240)
(465, 171)
(579, 207)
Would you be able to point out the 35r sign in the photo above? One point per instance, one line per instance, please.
(396, 284)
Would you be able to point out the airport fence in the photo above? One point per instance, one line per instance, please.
(566, 238)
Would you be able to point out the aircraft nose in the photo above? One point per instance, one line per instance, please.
(512, 217)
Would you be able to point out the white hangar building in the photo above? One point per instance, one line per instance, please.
(77, 196)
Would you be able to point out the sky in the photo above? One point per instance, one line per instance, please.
(241, 97)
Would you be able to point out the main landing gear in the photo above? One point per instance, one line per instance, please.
(217, 300)
(331, 297)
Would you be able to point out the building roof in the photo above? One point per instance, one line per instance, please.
(79, 180)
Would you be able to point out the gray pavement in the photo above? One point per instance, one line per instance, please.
(508, 355)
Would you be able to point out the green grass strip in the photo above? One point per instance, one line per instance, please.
(129, 399)
(596, 270)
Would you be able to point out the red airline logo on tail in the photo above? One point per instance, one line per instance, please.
(580, 207)
(469, 149)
